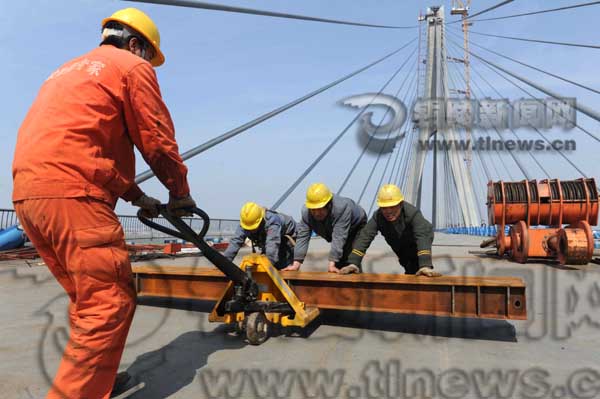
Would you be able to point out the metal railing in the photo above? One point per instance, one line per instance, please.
(136, 230)
(8, 218)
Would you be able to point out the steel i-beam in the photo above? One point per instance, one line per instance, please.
(456, 296)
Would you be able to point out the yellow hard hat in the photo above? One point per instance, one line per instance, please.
(389, 195)
(140, 22)
(251, 215)
(317, 196)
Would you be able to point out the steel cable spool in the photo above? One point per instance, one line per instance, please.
(549, 202)
(576, 244)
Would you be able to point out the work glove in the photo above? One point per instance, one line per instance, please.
(427, 272)
(350, 269)
(180, 206)
(148, 205)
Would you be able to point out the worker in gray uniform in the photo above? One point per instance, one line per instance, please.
(272, 232)
(337, 219)
(405, 230)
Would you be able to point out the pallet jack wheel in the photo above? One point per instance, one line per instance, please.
(257, 328)
(238, 327)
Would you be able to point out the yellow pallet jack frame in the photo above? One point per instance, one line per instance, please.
(272, 288)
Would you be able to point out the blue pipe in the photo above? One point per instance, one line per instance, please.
(11, 238)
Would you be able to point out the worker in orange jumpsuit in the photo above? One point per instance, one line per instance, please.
(74, 159)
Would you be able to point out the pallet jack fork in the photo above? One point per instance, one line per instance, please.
(256, 295)
(276, 303)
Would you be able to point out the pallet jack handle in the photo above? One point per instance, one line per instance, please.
(248, 286)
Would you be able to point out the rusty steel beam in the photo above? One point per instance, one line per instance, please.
(456, 296)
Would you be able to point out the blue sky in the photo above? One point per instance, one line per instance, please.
(225, 69)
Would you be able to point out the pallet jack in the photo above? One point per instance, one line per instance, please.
(256, 296)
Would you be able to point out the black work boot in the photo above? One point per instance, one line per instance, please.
(123, 382)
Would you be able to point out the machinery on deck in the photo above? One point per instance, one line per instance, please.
(255, 295)
(548, 205)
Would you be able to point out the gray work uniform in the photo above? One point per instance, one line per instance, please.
(340, 227)
(410, 237)
(269, 237)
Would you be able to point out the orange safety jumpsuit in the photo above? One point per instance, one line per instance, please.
(74, 158)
